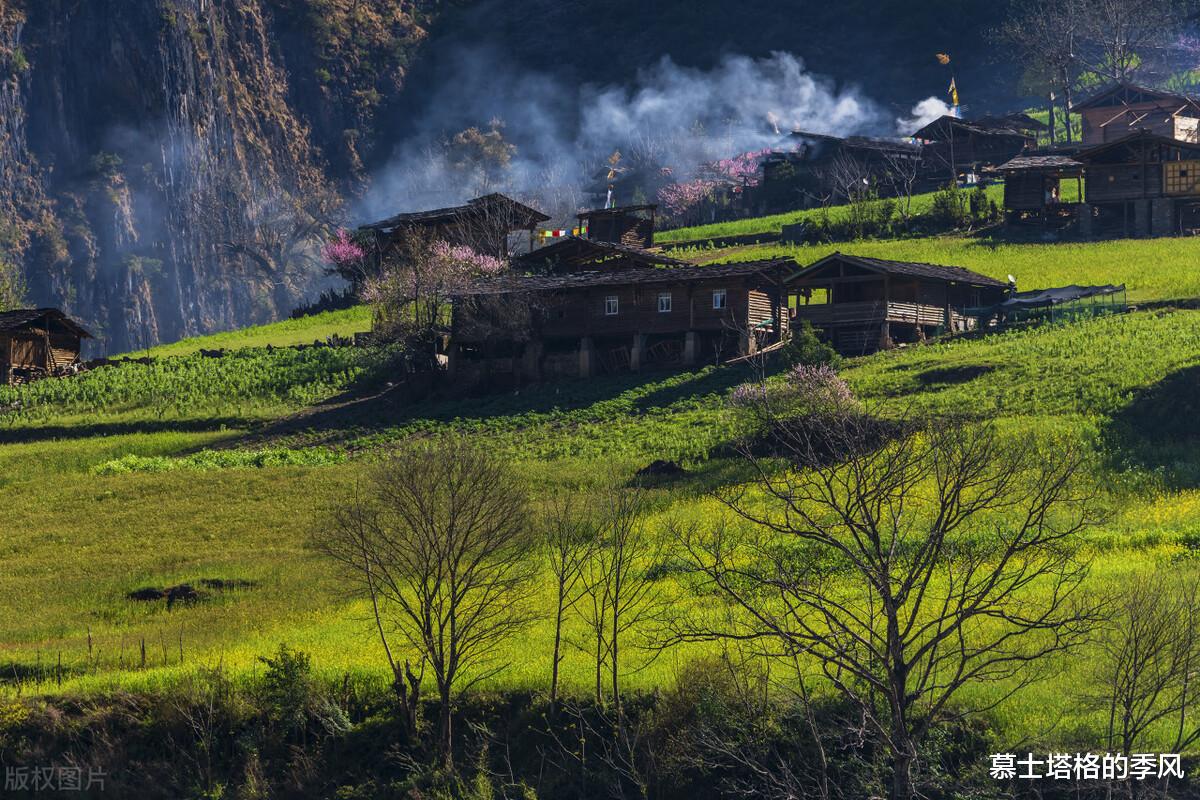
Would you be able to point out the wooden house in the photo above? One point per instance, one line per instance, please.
(38, 343)
(866, 304)
(628, 225)
(581, 323)
(1121, 109)
(1033, 186)
(1145, 184)
(955, 147)
(484, 224)
(817, 168)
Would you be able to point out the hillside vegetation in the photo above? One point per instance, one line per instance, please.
(218, 472)
(285, 333)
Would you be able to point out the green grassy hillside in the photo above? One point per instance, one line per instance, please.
(1152, 269)
(305, 330)
(192, 468)
(922, 204)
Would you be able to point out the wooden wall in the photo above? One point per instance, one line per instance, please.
(1025, 191)
(581, 312)
(1121, 122)
(1105, 183)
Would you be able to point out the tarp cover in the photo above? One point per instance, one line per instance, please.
(1040, 298)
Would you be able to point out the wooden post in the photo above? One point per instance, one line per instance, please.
(637, 354)
(531, 361)
(587, 357)
(690, 347)
(885, 335)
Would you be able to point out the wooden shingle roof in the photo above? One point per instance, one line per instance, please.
(25, 317)
(1146, 93)
(1038, 163)
(519, 214)
(515, 284)
(914, 269)
(577, 251)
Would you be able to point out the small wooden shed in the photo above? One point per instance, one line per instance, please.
(1033, 184)
(628, 225)
(38, 343)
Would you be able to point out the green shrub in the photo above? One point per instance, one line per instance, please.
(807, 347)
(288, 690)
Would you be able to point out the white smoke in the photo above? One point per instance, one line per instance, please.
(923, 113)
(673, 116)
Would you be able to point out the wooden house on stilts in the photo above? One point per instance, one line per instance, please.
(866, 304)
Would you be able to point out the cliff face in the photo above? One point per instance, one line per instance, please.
(164, 162)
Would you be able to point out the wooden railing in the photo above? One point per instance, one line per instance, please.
(868, 313)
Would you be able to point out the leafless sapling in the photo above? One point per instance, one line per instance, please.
(1145, 675)
(440, 543)
(907, 560)
(569, 541)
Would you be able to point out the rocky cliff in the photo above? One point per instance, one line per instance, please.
(163, 163)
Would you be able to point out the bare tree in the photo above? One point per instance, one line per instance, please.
(440, 544)
(627, 551)
(619, 593)
(1047, 36)
(902, 172)
(569, 542)
(907, 560)
(592, 608)
(1121, 35)
(282, 239)
(1149, 657)
(846, 178)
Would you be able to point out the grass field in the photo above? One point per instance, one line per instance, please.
(81, 534)
(305, 330)
(921, 204)
(1152, 269)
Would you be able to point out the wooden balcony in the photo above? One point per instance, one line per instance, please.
(847, 314)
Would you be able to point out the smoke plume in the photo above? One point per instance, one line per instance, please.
(669, 122)
(923, 113)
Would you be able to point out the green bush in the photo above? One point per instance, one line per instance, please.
(807, 347)
(288, 690)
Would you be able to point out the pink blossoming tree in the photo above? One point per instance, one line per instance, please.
(411, 294)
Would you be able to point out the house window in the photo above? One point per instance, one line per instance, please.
(610, 305)
(664, 302)
(718, 299)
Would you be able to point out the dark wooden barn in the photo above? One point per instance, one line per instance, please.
(1145, 184)
(866, 304)
(955, 147)
(1121, 109)
(818, 167)
(578, 324)
(1033, 186)
(484, 224)
(627, 225)
(38, 343)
